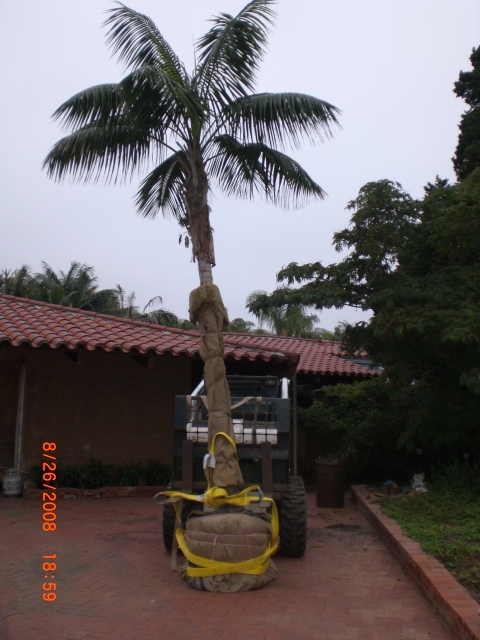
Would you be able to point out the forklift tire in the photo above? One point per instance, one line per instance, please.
(168, 522)
(293, 519)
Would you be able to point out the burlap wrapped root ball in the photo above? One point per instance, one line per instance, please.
(229, 537)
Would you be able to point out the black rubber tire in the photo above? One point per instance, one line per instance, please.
(293, 519)
(168, 522)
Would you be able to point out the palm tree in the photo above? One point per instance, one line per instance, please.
(128, 309)
(19, 282)
(200, 129)
(78, 288)
(283, 320)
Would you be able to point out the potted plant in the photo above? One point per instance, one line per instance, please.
(334, 439)
(331, 477)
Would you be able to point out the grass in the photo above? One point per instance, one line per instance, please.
(446, 522)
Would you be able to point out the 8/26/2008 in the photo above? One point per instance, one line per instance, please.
(49, 516)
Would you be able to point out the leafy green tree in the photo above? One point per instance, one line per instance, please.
(416, 266)
(467, 153)
(336, 335)
(200, 129)
(383, 218)
(239, 325)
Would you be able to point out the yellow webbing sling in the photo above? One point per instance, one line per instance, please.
(217, 497)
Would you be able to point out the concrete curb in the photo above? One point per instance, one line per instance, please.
(452, 604)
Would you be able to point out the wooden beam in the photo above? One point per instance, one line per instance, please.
(267, 469)
(187, 466)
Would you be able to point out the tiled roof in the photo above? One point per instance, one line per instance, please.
(318, 357)
(41, 324)
(38, 324)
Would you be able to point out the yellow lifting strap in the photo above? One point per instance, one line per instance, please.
(227, 437)
(217, 497)
(211, 454)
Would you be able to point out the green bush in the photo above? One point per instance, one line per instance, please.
(458, 477)
(69, 476)
(96, 474)
(373, 419)
(157, 474)
(365, 420)
(35, 474)
(130, 473)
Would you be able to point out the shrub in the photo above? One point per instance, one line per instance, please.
(69, 476)
(367, 419)
(457, 477)
(35, 474)
(96, 474)
(157, 474)
(130, 473)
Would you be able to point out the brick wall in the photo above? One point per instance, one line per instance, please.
(107, 406)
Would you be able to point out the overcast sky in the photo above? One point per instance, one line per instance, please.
(389, 65)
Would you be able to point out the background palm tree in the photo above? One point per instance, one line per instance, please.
(78, 287)
(19, 282)
(283, 320)
(198, 129)
(128, 309)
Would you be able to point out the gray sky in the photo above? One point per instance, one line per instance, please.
(389, 65)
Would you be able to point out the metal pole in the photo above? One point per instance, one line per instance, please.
(294, 397)
(19, 423)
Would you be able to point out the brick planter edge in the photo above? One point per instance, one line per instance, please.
(456, 609)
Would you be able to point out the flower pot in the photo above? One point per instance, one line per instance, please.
(331, 484)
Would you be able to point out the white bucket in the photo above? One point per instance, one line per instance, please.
(12, 484)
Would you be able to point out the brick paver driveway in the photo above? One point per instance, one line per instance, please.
(114, 582)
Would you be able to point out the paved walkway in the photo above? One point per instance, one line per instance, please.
(114, 582)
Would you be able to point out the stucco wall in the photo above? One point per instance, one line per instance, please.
(107, 406)
(9, 379)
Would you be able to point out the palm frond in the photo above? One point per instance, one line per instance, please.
(98, 103)
(276, 118)
(229, 54)
(243, 169)
(120, 293)
(163, 189)
(115, 149)
(48, 274)
(151, 302)
(138, 42)
(150, 91)
(147, 99)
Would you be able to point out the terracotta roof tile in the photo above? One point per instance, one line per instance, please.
(318, 357)
(38, 323)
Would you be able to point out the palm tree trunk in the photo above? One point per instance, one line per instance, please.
(196, 190)
(207, 308)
